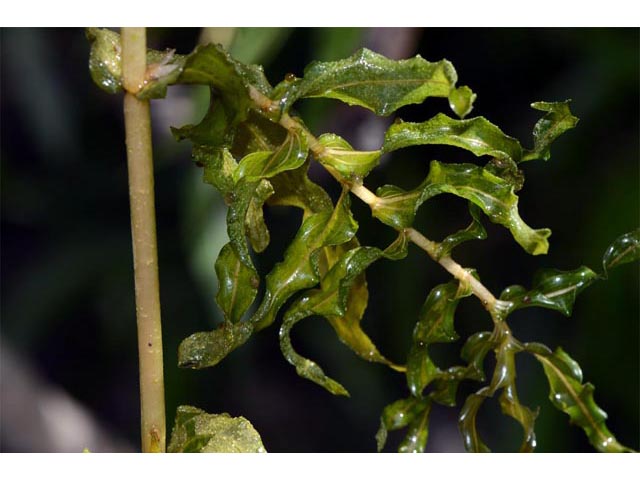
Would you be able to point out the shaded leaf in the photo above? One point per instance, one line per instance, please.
(257, 44)
(196, 431)
(553, 289)
(265, 164)
(477, 135)
(218, 166)
(206, 349)
(570, 395)
(625, 249)
(475, 350)
(467, 422)
(339, 155)
(510, 405)
(555, 122)
(216, 129)
(398, 415)
(294, 188)
(475, 231)
(418, 433)
(372, 81)
(461, 101)
(237, 284)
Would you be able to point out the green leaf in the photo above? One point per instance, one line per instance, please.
(510, 405)
(467, 422)
(214, 130)
(257, 44)
(570, 395)
(398, 415)
(461, 101)
(206, 349)
(494, 195)
(254, 224)
(475, 231)
(435, 325)
(218, 166)
(372, 81)
(339, 155)
(290, 155)
(105, 59)
(555, 122)
(418, 432)
(163, 69)
(477, 135)
(553, 289)
(625, 249)
(475, 350)
(299, 269)
(196, 431)
(237, 284)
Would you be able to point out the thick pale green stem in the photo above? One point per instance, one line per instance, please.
(145, 251)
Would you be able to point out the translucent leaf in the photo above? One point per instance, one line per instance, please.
(555, 122)
(237, 284)
(624, 249)
(570, 395)
(553, 289)
(461, 101)
(467, 422)
(206, 349)
(341, 156)
(372, 81)
(475, 231)
(196, 431)
(491, 193)
(477, 135)
(290, 155)
(299, 269)
(398, 415)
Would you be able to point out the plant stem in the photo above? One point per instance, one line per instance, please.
(145, 250)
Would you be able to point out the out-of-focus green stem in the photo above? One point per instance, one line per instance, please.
(145, 250)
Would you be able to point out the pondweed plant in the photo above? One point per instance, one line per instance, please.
(256, 151)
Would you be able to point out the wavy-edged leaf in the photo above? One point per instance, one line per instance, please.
(372, 81)
(461, 100)
(197, 431)
(237, 284)
(554, 123)
(340, 156)
(477, 135)
(206, 349)
(415, 441)
(553, 289)
(474, 352)
(398, 415)
(568, 394)
(289, 155)
(218, 165)
(216, 129)
(294, 188)
(625, 249)
(494, 195)
(300, 268)
(467, 422)
(475, 231)
(510, 405)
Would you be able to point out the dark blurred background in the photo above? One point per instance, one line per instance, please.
(69, 359)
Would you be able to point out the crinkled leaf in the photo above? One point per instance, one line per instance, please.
(508, 170)
(625, 249)
(475, 231)
(254, 224)
(492, 194)
(372, 81)
(553, 289)
(206, 349)
(467, 422)
(218, 167)
(290, 155)
(398, 415)
(461, 101)
(555, 122)
(570, 395)
(237, 284)
(196, 431)
(294, 188)
(299, 269)
(341, 156)
(477, 135)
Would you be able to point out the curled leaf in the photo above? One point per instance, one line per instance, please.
(341, 156)
(196, 431)
(625, 249)
(467, 422)
(461, 100)
(399, 414)
(237, 284)
(206, 349)
(475, 231)
(555, 122)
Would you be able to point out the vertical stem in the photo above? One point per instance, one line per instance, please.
(143, 232)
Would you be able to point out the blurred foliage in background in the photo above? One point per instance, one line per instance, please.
(67, 305)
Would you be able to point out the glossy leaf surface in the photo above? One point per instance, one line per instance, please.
(553, 289)
(477, 135)
(294, 188)
(341, 156)
(557, 120)
(372, 81)
(196, 431)
(467, 422)
(400, 414)
(475, 231)
(461, 101)
(625, 249)
(570, 395)
(237, 284)
(206, 349)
